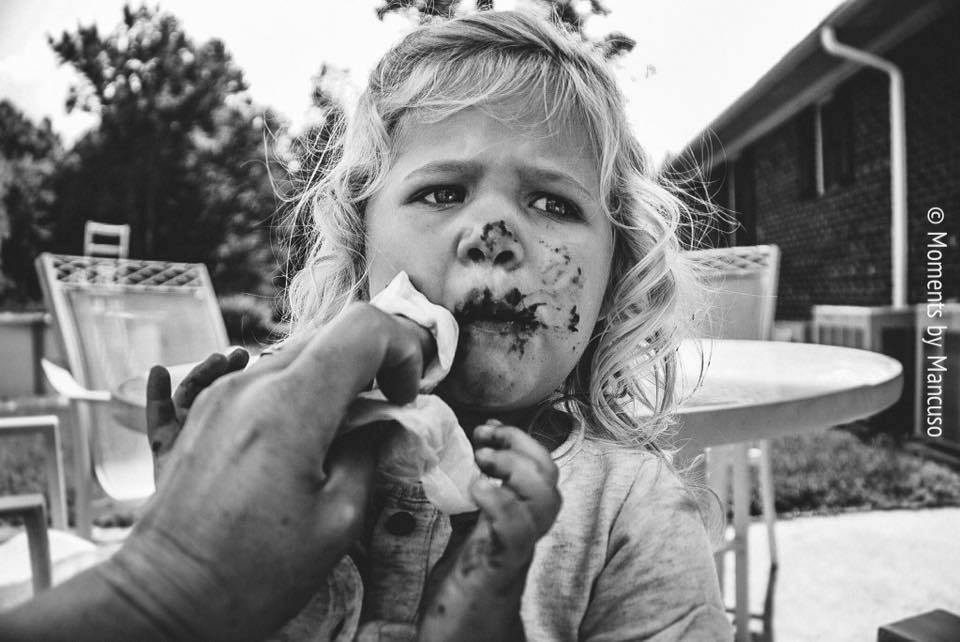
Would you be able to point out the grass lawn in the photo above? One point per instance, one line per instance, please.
(835, 471)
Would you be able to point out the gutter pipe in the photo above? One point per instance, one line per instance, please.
(898, 156)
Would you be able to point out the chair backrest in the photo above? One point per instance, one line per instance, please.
(743, 284)
(119, 248)
(116, 318)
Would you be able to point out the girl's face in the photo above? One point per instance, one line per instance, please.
(503, 226)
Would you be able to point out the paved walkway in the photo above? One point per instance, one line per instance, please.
(841, 577)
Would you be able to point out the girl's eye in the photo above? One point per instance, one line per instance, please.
(442, 196)
(556, 207)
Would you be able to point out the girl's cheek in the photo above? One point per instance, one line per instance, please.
(562, 286)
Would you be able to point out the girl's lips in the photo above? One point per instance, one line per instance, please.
(482, 309)
(493, 326)
(502, 321)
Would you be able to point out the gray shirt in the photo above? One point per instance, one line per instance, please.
(627, 559)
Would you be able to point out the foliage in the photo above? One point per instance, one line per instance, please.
(178, 154)
(833, 471)
(573, 14)
(248, 319)
(28, 154)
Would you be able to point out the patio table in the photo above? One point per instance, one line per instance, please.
(753, 390)
(765, 389)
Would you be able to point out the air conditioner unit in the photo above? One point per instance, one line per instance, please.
(886, 329)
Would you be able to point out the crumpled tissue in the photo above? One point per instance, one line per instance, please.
(432, 447)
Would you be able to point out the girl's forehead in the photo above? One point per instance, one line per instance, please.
(498, 129)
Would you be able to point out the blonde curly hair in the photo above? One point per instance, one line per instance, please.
(486, 59)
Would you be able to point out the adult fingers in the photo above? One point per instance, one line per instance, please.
(360, 344)
(500, 437)
(362, 316)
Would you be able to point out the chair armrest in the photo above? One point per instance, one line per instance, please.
(31, 509)
(65, 385)
(48, 427)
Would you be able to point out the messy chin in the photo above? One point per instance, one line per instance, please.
(486, 381)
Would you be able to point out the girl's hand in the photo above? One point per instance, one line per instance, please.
(477, 586)
(516, 514)
(166, 416)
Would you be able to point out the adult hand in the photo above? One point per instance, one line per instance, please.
(259, 501)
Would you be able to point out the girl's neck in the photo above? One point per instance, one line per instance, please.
(549, 427)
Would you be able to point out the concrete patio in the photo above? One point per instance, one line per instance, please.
(841, 577)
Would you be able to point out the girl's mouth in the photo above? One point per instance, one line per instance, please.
(483, 310)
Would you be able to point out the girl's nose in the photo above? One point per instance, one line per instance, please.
(495, 242)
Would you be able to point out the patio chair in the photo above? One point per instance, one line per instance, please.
(119, 247)
(32, 508)
(116, 318)
(743, 281)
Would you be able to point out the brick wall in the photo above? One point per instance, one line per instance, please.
(836, 247)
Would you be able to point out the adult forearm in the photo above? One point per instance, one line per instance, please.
(99, 604)
(147, 591)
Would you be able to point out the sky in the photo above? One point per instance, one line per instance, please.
(693, 57)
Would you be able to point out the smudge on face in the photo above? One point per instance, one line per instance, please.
(507, 316)
(494, 234)
(574, 320)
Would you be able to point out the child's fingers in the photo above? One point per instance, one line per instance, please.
(160, 408)
(199, 378)
(237, 360)
(508, 517)
(499, 437)
(162, 425)
(521, 475)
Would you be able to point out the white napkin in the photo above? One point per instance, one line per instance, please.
(433, 447)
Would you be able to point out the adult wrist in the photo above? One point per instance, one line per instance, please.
(170, 590)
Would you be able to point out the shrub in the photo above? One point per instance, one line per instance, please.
(834, 470)
(248, 319)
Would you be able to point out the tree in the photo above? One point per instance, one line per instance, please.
(307, 157)
(568, 12)
(178, 153)
(28, 155)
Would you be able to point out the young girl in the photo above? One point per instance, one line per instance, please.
(490, 159)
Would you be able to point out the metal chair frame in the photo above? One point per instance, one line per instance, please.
(32, 507)
(756, 267)
(120, 249)
(159, 281)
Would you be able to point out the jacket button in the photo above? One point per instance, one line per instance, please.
(401, 523)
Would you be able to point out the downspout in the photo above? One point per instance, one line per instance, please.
(898, 156)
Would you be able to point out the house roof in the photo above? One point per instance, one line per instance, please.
(808, 73)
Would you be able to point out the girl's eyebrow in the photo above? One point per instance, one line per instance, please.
(545, 175)
(529, 174)
(468, 168)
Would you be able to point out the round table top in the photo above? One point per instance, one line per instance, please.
(761, 389)
(751, 389)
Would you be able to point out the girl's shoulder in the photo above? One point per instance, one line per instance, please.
(604, 473)
(601, 462)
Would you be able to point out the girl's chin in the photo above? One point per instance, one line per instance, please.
(484, 383)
